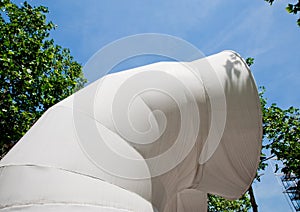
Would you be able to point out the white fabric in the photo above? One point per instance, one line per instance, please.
(65, 163)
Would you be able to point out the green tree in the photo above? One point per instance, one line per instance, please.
(282, 136)
(216, 203)
(34, 72)
(293, 8)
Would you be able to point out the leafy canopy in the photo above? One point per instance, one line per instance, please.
(34, 72)
(282, 135)
(293, 8)
(216, 203)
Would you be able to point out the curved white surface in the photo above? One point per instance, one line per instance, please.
(84, 155)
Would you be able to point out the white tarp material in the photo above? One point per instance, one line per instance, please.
(154, 138)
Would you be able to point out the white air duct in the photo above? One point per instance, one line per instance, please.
(157, 137)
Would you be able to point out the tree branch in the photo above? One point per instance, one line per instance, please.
(252, 200)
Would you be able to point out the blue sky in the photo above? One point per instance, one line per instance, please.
(252, 28)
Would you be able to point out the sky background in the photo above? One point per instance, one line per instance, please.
(251, 28)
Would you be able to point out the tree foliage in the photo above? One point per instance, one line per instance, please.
(216, 203)
(282, 135)
(34, 72)
(293, 8)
